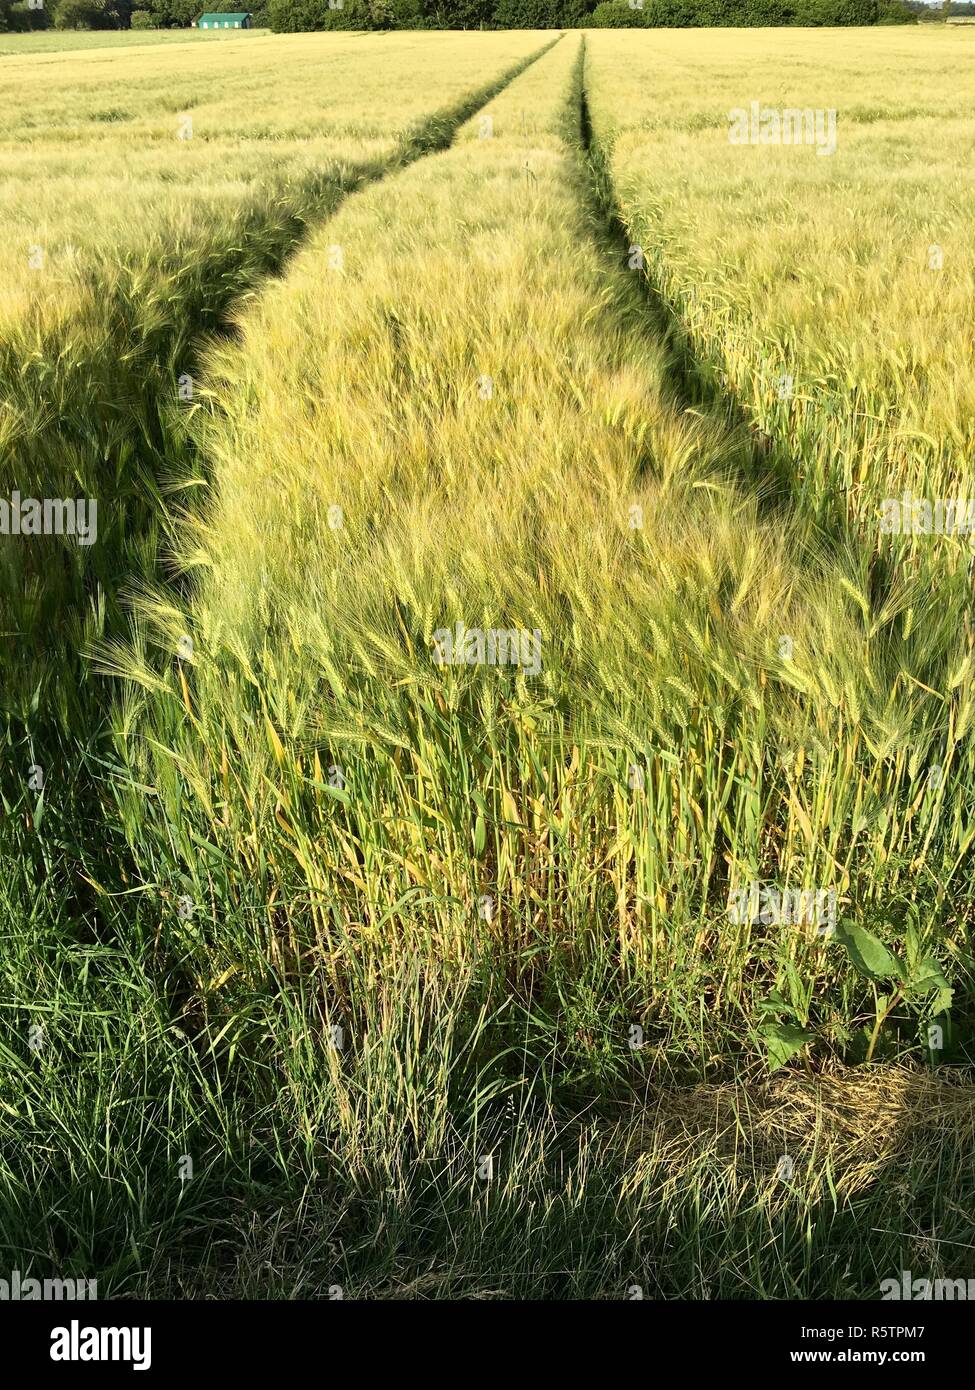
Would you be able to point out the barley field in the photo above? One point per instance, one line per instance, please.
(496, 794)
(136, 202)
(851, 273)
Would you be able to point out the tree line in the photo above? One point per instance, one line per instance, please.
(289, 16)
(294, 16)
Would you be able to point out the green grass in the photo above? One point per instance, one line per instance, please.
(78, 40)
(313, 1168)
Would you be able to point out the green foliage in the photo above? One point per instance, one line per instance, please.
(537, 14)
(172, 14)
(92, 14)
(836, 13)
(297, 16)
(917, 977)
(868, 953)
(783, 1041)
(618, 14)
(17, 16)
(455, 14)
(406, 14)
(896, 12)
(676, 14)
(293, 16)
(81, 14)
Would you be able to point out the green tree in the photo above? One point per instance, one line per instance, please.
(18, 16)
(896, 12)
(82, 14)
(539, 14)
(175, 14)
(618, 14)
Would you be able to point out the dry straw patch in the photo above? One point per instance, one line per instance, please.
(845, 1129)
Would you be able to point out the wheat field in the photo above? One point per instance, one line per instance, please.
(492, 721)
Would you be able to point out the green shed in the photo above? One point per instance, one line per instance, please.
(240, 20)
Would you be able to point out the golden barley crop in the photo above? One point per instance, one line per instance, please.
(138, 193)
(830, 289)
(490, 730)
(454, 416)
